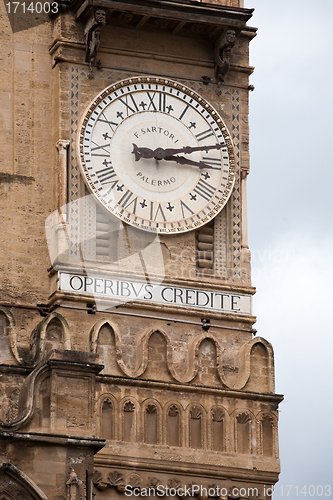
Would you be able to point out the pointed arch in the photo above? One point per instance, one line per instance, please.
(173, 413)
(107, 410)
(207, 373)
(245, 372)
(219, 420)
(157, 366)
(16, 484)
(129, 409)
(94, 336)
(193, 358)
(268, 431)
(9, 332)
(143, 352)
(244, 431)
(42, 331)
(151, 418)
(196, 421)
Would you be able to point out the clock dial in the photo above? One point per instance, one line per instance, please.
(156, 155)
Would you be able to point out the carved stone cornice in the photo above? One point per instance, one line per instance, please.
(175, 10)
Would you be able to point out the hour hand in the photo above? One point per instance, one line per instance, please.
(186, 161)
(142, 152)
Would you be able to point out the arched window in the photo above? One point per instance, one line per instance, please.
(151, 424)
(173, 426)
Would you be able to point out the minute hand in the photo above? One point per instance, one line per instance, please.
(186, 161)
(189, 149)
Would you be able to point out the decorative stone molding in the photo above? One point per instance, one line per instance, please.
(129, 406)
(192, 361)
(217, 415)
(10, 333)
(73, 486)
(15, 484)
(173, 411)
(116, 480)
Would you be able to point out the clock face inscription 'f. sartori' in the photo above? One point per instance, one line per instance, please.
(156, 155)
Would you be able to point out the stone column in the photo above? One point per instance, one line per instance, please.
(62, 147)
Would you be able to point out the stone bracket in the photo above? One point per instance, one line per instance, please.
(222, 52)
(92, 33)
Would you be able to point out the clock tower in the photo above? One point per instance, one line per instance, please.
(129, 362)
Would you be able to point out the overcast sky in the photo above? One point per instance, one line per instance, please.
(290, 227)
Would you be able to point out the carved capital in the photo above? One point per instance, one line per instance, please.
(62, 144)
(222, 52)
(245, 172)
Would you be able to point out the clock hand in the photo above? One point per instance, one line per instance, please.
(189, 149)
(161, 154)
(186, 161)
(142, 152)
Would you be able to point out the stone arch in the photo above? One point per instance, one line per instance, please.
(15, 484)
(107, 410)
(53, 333)
(207, 373)
(156, 357)
(105, 340)
(218, 428)
(163, 355)
(268, 434)
(129, 411)
(244, 422)
(259, 368)
(193, 359)
(27, 398)
(196, 421)
(174, 424)
(257, 372)
(151, 416)
(8, 348)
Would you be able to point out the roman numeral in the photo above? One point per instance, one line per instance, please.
(204, 189)
(203, 135)
(111, 124)
(215, 163)
(184, 207)
(162, 102)
(100, 147)
(184, 111)
(129, 107)
(125, 201)
(151, 98)
(113, 185)
(159, 209)
(105, 174)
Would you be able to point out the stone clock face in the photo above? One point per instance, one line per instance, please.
(156, 155)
